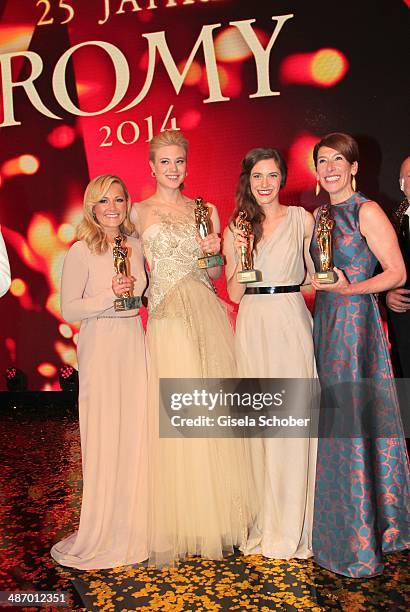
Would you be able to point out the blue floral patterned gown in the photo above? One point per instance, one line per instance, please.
(362, 494)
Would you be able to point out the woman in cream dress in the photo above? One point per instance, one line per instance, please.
(112, 376)
(274, 340)
(199, 488)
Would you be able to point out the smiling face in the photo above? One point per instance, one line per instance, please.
(265, 182)
(111, 209)
(169, 166)
(334, 173)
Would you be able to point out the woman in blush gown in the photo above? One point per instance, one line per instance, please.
(362, 497)
(274, 340)
(112, 380)
(200, 489)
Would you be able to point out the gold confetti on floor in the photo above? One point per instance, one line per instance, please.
(40, 482)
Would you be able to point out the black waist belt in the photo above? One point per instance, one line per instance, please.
(270, 290)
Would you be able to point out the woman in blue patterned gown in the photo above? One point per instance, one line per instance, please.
(362, 482)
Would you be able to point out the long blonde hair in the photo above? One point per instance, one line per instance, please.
(89, 229)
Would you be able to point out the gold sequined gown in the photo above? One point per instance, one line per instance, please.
(200, 494)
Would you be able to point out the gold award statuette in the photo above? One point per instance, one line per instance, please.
(325, 226)
(126, 301)
(247, 274)
(203, 226)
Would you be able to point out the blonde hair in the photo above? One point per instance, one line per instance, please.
(89, 229)
(165, 139)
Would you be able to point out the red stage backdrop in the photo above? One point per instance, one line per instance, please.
(85, 85)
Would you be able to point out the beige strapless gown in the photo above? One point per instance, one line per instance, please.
(113, 413)
(274, 340)
(201, 496)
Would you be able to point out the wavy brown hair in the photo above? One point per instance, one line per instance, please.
(89, 229)
(245, 200)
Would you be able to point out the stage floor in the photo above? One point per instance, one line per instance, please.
(40, 482)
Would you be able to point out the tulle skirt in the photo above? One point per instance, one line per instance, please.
(202, 499)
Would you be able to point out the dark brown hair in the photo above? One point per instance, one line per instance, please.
(344, 143)
(245, 200)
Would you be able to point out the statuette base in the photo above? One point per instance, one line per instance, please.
(210, 261)
(127, 303)
(325, 278)
(249, 276)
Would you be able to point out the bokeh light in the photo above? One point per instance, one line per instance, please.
(229, 78)
(28, 256)
(194, 73)
(145, 16)
(53, 305)
(328, 67)
(230, 46)
(56, 268)
(67, 353)
(143, 63)
(86, 88)
(231, 83)
(303, 175)
(190, 119)
(10, 344)
(51, 386)
(48, 370)
(66, 233)
(18, 287)
(323, 68)
(62, 136)
(28, 164)
(24, 164)
(74, 215)
(65, 330)
(41, 235)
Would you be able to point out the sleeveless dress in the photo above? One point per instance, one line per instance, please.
(362, 483)
(200, 488)
(112, 369)
(274, 340)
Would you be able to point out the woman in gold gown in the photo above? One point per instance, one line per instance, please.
(200, 493)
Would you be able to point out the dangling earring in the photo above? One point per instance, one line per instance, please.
(95, 217)
(354, 183)
(153, 174)
(317, 190)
